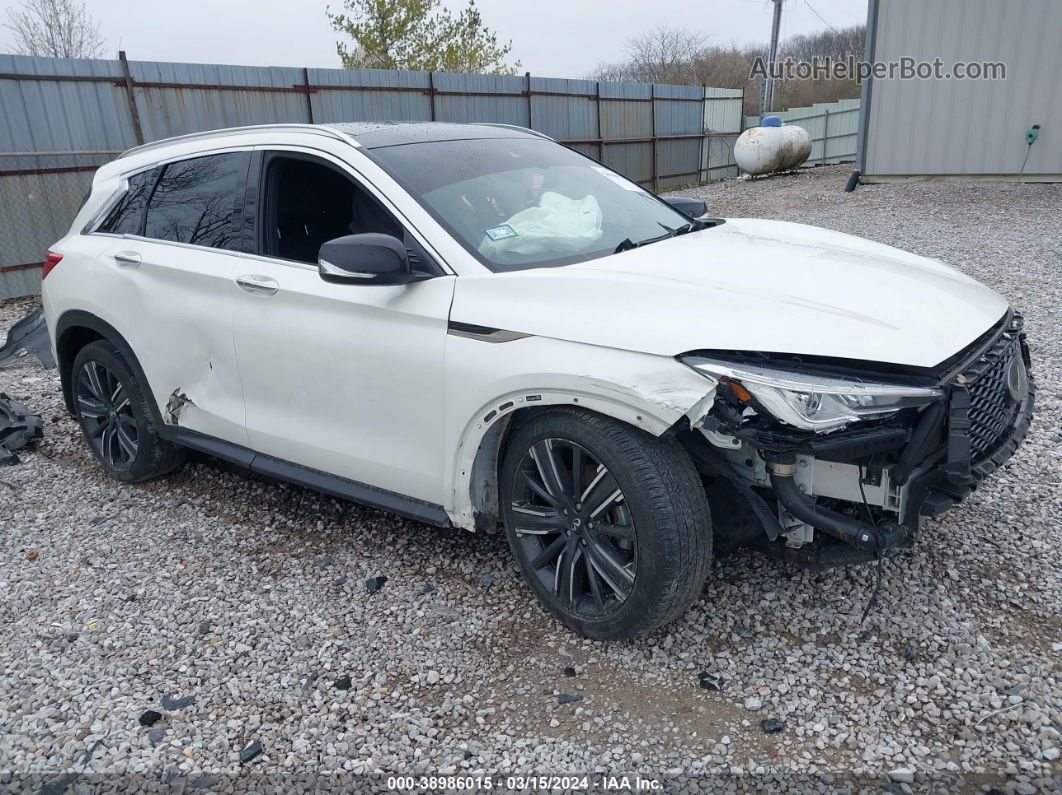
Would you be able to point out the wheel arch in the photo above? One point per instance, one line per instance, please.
(474, 497)
(73, 331)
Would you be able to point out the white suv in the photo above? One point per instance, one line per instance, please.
(474, 326)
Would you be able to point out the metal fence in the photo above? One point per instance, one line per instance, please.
(62, 118)
(833, 127)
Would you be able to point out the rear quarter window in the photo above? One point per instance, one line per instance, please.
(127, 216)
(197, 201)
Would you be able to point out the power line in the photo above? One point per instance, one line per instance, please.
(816, 13)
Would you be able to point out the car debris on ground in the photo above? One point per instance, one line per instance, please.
(18, 428)
(28, 337)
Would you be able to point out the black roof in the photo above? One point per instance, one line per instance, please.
(374, 134)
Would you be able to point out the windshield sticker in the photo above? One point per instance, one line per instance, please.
(501, 232)
(623, 183)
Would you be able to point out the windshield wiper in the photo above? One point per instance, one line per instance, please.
(627, 245)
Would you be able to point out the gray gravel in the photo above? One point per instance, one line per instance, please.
(240, 609)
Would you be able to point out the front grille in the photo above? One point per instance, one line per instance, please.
(991, 409)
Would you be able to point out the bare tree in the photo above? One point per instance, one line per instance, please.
(671, 55)
(58, 28)
(661, 55)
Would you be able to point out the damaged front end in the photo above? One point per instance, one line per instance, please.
(858, 452)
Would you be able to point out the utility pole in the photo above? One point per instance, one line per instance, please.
(768, 90)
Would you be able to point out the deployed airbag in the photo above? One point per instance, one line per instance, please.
(558, 225)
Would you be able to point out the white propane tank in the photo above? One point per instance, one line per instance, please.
(772, 147)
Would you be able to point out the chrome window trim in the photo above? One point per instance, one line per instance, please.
(92, 227)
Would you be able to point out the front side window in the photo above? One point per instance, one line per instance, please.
(309, 202)
(195, 201)
(519, 203)
(127, 216)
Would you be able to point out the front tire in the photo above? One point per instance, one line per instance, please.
(609, 525)
(112, 407)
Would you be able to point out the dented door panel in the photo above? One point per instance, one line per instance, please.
(177, 307)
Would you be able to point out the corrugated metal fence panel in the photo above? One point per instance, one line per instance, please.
(626, 112)
(14, 284)
(566, 118)
(722, 124)
(35, 211)
(956, 127)
(491, 98)
(200, 99)
(408, 101)
(63, 115)
(722, 109)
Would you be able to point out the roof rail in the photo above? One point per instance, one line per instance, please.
(310, 128)
(528, 130)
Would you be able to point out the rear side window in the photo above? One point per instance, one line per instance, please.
(197, 201)
(127, 216)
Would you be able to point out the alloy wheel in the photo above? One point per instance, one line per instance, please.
(107, 415)
(573, 528)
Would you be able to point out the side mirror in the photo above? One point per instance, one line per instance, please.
(688, 206)
(368, 258)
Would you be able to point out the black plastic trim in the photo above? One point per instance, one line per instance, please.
(289, 472)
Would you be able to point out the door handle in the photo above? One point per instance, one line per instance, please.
(127, 259)
(257, 284)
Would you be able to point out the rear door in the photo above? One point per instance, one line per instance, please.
(175, 259)
(342, 378)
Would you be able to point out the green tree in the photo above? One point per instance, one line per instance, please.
(419, 35)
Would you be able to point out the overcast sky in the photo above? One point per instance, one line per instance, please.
(552, 38)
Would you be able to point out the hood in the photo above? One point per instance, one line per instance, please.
(747, 284)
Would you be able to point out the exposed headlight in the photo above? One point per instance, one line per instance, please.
(815, 403)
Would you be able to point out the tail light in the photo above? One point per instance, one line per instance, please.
(50, 262)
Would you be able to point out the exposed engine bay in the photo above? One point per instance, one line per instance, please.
(865, 484)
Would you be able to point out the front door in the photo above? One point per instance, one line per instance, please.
(342, 378)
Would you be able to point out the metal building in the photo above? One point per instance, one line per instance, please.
(946, 127)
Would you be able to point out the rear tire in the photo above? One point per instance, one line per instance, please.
(609, 525)
(116, 417)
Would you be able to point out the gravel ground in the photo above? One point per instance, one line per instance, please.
(237, 610)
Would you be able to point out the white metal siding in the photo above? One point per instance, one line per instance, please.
(966, 127)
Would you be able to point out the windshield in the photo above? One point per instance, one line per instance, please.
(519, 203)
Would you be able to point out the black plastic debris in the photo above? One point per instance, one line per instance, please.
(706, 680)
(250, 752)
(771, 725)
(427, 589)
(173, 704)
(28, 337)
(569, 671)
(567, 698)
(204, 627)
(340, 581)
(373, 584)
(343, 683)
(486, 581)
(70, 638)
(18, 428)
(910, 653)
(150, 718)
